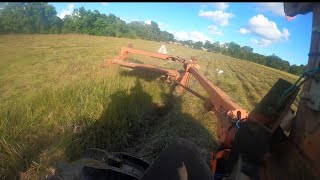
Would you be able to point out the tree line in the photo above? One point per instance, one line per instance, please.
(246, 53)
(41, 18)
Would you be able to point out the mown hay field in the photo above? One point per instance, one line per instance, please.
(57, 100)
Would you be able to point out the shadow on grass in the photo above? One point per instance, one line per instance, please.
(133, 123)
(134, 60)
(142, 73)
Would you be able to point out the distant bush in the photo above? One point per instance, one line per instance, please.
(246, 53)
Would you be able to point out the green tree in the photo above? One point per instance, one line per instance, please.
(198, 45)
(208, 45)
(29, 18)
(297, 70)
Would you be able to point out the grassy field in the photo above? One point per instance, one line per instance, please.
(57, 100)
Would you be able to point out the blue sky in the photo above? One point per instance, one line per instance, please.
(262, 26)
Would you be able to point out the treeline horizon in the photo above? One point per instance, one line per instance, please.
(41, 18)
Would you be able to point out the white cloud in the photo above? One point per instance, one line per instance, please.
(219, 17)
(213, 29)
(261, 43)
(273, 7)
(162, 25)
(193, 35)
(244, 31)
(199, 36)
(67, 11)
(286, 33)
(181, 35)
(261, 26)
(222, 6)
(105, 4)
(266, 29)
(171, 31)
(147, 22)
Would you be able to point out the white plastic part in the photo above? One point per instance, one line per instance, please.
(219, 71)
(162, 50)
